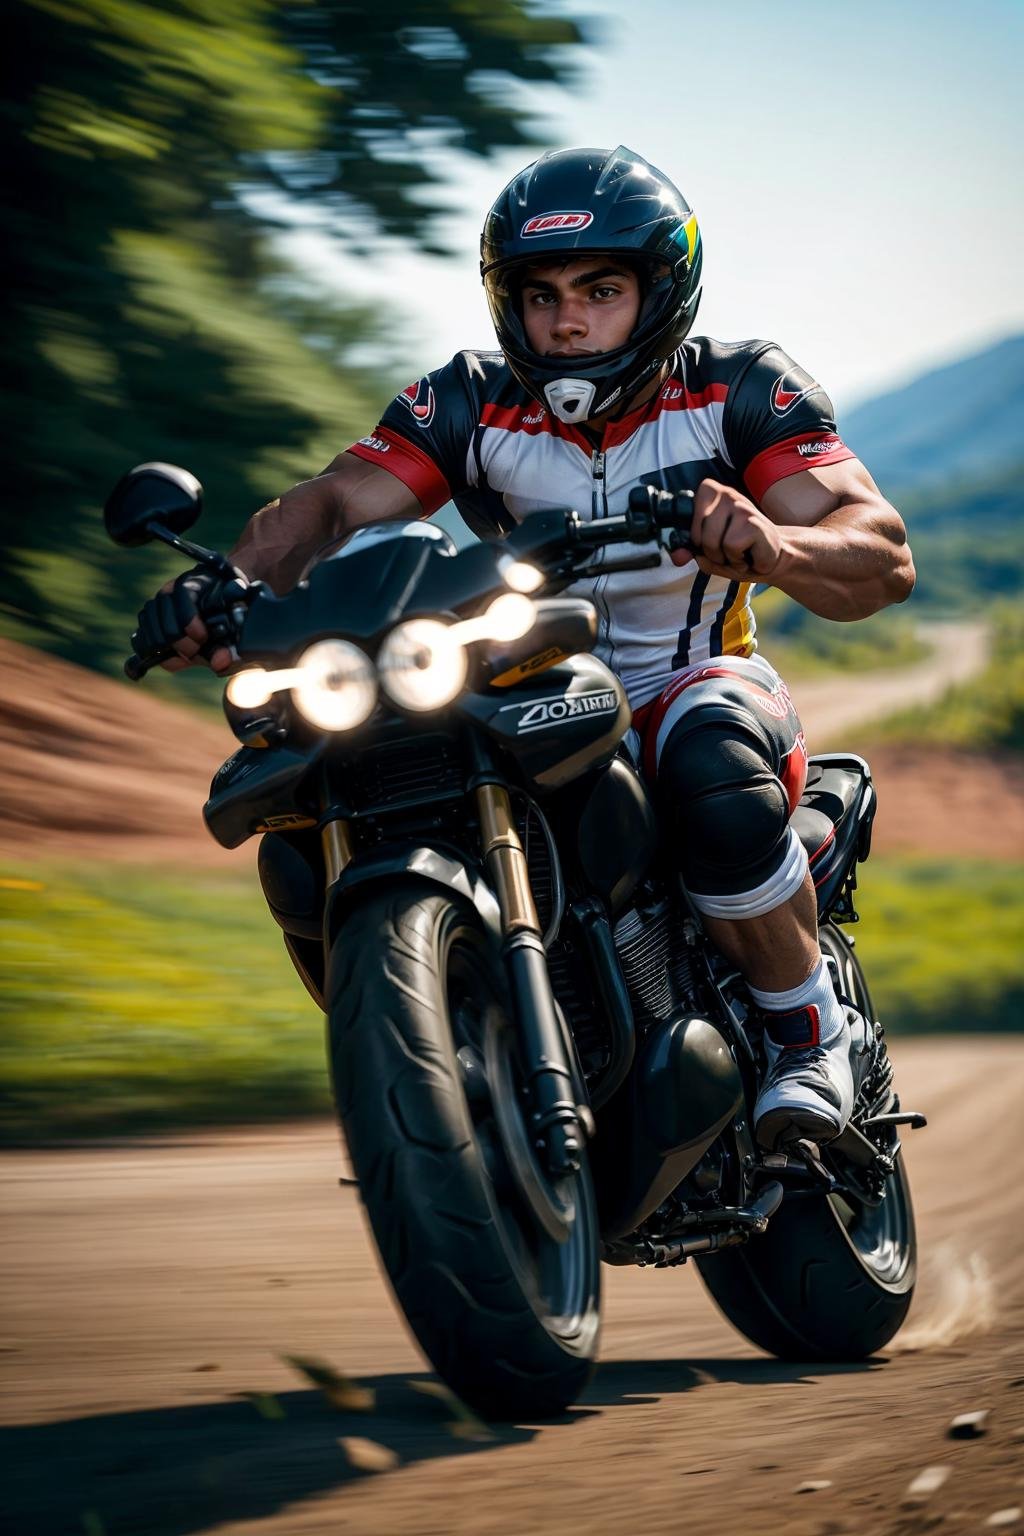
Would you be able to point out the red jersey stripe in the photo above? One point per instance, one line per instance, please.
(408, 463)
(532, 419)
(673, 396)
(808, 450)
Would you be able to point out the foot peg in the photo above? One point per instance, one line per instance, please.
(910, 1117)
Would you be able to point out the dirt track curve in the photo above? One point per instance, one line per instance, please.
(146, 1287)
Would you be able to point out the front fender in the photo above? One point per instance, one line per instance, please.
(446, 869)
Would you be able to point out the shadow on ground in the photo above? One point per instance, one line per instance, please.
(181, 1471)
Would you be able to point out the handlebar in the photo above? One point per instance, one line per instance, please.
(651, 512)
(223, 625)
(650, 516)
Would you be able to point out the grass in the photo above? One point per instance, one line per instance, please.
(941, 941)
(133, 1002)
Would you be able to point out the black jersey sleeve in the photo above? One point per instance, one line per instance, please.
(424, 435)
(778, 421)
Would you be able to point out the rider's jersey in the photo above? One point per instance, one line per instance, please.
(741, 413)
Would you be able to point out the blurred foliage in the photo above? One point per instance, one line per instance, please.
(799, 643)
(153, 147)
(983, 715)
(174, 1002)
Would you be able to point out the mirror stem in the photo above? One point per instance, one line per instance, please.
(210, 557)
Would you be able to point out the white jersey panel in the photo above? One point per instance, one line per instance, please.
(641, 613)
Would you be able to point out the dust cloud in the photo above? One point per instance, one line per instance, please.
(959, 1301)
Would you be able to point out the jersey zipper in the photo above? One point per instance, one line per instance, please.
(599, 508)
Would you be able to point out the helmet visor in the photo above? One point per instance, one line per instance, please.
(504, 283)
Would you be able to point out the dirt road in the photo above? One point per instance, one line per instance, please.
(841, 703)
(146, 1288)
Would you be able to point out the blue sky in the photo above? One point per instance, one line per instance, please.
(856, 170)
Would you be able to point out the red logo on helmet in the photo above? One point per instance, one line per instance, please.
(419, 399)
(556, 224)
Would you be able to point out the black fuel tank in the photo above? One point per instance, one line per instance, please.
(567, 721)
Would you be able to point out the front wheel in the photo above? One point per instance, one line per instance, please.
(496, 1270)
(833, 1276)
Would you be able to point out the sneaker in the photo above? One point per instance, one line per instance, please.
(808, 1092)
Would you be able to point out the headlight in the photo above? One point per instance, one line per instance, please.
(250, 689)
(422, 664)
(520, 575)
(508, 618)
(334, 686)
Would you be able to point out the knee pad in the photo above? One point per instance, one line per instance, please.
(727, 808)
(291, 873)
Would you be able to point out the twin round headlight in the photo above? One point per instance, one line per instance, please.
(421, 665)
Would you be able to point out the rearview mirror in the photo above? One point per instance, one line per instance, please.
(152, 493)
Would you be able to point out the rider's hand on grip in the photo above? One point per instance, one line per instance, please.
(189, 620)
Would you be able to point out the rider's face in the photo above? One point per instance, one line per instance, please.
(580, 307)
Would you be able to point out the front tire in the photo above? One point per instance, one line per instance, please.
(831, 1278)
(506, 1312)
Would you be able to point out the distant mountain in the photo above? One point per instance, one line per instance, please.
(955, 424)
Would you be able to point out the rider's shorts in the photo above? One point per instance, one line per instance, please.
(723, 748)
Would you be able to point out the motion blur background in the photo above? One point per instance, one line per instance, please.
(233, 229)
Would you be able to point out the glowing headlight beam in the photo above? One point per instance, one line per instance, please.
(337, 686)
(333, 686)
(520, 575)
(508, 618)
(422, 665)
(256, 686)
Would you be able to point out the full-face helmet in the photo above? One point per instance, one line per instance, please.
(578, 202)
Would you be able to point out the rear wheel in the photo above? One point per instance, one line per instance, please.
(833, 1276)
(496, 1268)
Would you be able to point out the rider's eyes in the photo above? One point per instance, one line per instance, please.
(602, 291)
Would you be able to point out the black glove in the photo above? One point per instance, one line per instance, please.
(198, 593)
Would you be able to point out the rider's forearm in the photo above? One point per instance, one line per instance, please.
(851, 564)
(280, 539)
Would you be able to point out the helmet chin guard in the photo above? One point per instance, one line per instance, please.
(571, 400)
(578, 203)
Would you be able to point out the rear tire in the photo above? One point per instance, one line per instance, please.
(830, 1279)
(507, 1314)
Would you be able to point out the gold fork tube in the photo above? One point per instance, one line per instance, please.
(505, 860)
(336, 838)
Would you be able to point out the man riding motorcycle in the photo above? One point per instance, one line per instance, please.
(591, 263)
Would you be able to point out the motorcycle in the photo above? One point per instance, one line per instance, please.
(538, 1059)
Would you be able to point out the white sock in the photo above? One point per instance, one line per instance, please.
(816, 990)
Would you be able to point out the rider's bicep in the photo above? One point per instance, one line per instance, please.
(812, 494)
(368, 493)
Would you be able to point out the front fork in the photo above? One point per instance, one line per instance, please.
(559, 1116)
(558, 1119)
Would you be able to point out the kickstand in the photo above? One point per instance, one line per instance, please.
(808, 1154)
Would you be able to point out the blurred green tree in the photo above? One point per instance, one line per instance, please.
(152, 146)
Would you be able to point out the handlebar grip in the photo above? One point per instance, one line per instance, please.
(136, 667)
(652, 510)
